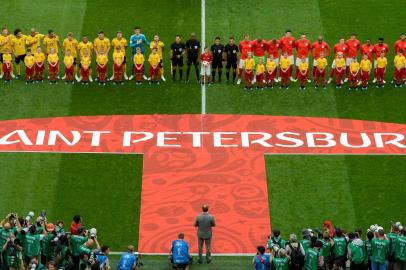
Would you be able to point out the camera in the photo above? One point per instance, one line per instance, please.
(33, 266)
(43, 215)
(29, 216)
(93, 233)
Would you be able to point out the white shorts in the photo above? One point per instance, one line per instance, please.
(299, 60)
(292, 59)
(241, 63)
(205, 70)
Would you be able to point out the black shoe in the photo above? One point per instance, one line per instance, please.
(199, 261)
(208, 260)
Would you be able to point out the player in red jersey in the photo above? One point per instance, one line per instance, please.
(368, 49)
(259, 47)
(341, 47)
(319, 47)
(400, 45)
(380, 47)
(206, 57)
(303, 47)
(273, 47)
(353, 45)
(287, 44)
(245, 46)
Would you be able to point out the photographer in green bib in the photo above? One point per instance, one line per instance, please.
(392, 237)
(14, 253)
(32, 242)
(313, 259)
(75, 242)
(9, 227)
(280, 260)
(325, 251)
(339, 249)
(380, 250)
(356, 252)
(368, 249)
(400, 250)
(275, 241)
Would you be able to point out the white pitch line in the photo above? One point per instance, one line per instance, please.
(193, 254)
(203, 86)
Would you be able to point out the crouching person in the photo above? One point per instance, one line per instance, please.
(180, 256)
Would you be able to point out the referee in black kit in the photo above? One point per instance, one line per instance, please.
(177, 52)
(217, 50)
(192, 54)
(231, 51)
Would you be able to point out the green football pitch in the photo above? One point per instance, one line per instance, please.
(303, 190)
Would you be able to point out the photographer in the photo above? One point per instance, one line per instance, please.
(14, 253)
(339, 249)
(314, 260)
(296, 253)
(356, 252)
(262, 261)
(275, 241)
(9, 225)
(128, 260)
(63, 255)
(48, 244)
(325, 251)
(179, 256)
(35, 264)
(306, 241)
(76, 240)
(103, 259)
(280, 261)
(88, 249)
(32, 243)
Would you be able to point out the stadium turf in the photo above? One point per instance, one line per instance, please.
(356, 188)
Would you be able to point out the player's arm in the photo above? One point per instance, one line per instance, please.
(108, 47)
(328, 50)
(58, 42)
(144, 38)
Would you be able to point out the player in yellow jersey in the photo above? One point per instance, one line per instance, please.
(400, 68)
(303, 72)
(51, 41)
(19, 51)
(102, 60)
(354, 74)
(5, 43)
(71, 43)
(121, 42)
(154, 59)
(260, 74)
(338, 70)
(53, 66)
(33, 40)
(101, 41)
(285, 65)
(381, 63)
(271, 70)
(138, 61)
(249, 65)
(29, 62)
(320, 72)
(39, 57)
(85, 44)
(118, 59)
(366, 67)
(160, 46)
(7, 66)
(69, 62)
(85, 62)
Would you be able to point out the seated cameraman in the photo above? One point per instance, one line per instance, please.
(128, 260)
(179, 256)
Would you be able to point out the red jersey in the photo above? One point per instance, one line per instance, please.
(381, 48)
(206, 57)
(368, 49)
(400, 45)
(273, 49)
(259, 48)
(303, 46)
(287, 44)
(245, 47)
(74, 227)
(353, 47)
(341, 48)
(318, 48)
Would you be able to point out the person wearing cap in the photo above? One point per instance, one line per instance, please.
(392, 236)
(380, 250)
(48, 248)
(314, 259)
(339, 249)
(262, 261)
(280, 260)
(356, 252)
(128, 260)
(296, 253)
(276, 240)
(400, 250)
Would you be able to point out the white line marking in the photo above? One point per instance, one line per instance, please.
(193, 254)
(203, 86)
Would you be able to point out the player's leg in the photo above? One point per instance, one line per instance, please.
(196, 66)
(125, 68)
(240, 70)
(180, 65)
(189, 61)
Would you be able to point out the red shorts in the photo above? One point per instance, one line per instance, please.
(248, 75)
(320, 73)
(7, 68)
(380, 72)
(53, 69)
(153, 71)
(138, 69)
(39, 69)
(29, 71)
(270, 76)
(69, 71)
(101, 70)
(118, 68)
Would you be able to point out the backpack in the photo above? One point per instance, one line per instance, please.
(296, 257)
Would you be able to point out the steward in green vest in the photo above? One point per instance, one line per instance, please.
(400, 250)
(356, 252)
(339, 249)
(313, 258)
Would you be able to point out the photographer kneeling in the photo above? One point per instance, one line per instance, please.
(179, 256)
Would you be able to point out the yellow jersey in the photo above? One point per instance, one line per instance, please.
(29, 61)
(139, 59)
(51, 43)
(82, 46)
(6, 42)
(85, 61)
(260, 68)
(53, 58)
(249, 64)
(33, 42)
(39, 57)
(119, 42)
(366, 65)
(19, 45)
(71, 45)
(354, 67)
(285, 63)
(99, 43)
(270, 65)
(381, 62)
(400, 61)
(7, 58)
(154, 59)
(321, 63)
(102, 59)
(68, 60)
(339, 62)
(159, 45)
(303, 67)
(118, 57)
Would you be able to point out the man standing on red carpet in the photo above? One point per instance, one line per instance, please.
(204, 223)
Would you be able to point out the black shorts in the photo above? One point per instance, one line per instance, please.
(19, 58)
(340, 261)
(125, 60)
(1, 58)
(231, 63)
(217, 63)
(177, 62)
(74, 61)
(192, 60)
(161, 64)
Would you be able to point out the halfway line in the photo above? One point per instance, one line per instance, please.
(203, 86)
